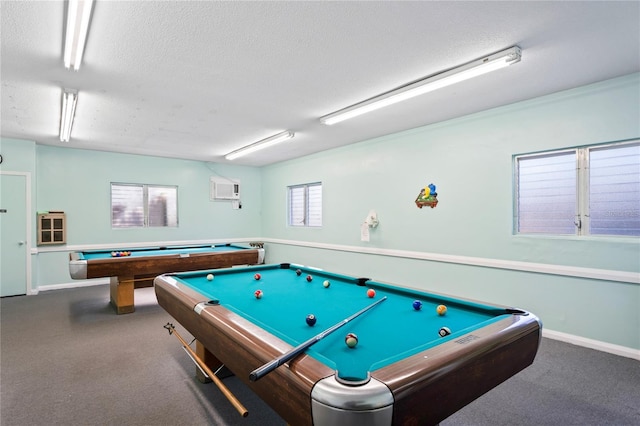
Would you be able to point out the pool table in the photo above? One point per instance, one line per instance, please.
(401, 372)
(142, 265)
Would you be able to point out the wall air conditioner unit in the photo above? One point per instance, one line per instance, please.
(224, 189)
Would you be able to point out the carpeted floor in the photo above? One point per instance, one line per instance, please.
(67, 359)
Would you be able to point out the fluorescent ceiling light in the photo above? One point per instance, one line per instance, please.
(455, 75)
(264, 143)
(69, 100)
(78, 16)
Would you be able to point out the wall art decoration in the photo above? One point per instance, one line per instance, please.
(427, 197)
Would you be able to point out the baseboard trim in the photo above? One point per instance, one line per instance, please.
(74, 284)
(592, 344)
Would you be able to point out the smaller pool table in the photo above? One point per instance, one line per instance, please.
(403, 370)
(142, 265)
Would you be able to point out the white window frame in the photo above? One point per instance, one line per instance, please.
(308, 209)
(147, 223)
(582, 216)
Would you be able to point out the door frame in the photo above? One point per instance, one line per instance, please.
(29, 224)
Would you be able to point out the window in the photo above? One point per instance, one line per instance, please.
(584, 191)
(305, 205)
(134, 205)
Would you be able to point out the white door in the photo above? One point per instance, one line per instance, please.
(13, 235)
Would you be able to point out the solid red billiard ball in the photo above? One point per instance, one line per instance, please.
(311, 319)
(258, 294)
(351, 340)
(371, 292)
(298, 272)
(309, 278)
(441, 309)
(257, 277)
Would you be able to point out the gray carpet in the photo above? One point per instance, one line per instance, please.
(67, 359)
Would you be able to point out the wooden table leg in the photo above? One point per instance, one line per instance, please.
(122, 294)
(211, 361)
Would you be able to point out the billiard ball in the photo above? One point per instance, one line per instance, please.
(326, 283)
(441, 309)
(298, 272)
(371, 293)
(210, 277)
(309, 278)
(257, 277)
(417, 305)
(444, 331)
(351, 340)
(311, 319)
(113, 254)
(258, 294)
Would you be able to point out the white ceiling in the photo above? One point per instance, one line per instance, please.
(197, 80)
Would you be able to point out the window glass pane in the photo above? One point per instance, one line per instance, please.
(614, 190)
(162, 206)
(315, 205)
(297, 205)
(127, 205)
(546, 189)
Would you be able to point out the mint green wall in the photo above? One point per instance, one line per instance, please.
(78, 183)
(18, 155)
(470, 161)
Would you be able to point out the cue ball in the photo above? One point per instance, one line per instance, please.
(444, 331)
(371, 292)
(311, 319)
(441, 309)
(326, 283)
(351, 340)
(417, 305)
(298, 272)
(309, 278)
(210, 277)
(257, 277)
(258, 294)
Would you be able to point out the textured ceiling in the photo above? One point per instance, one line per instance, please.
(197, 80)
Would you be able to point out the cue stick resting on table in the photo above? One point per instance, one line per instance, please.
(287, 356)
(225, 391)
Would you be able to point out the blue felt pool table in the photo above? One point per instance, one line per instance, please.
(403, 370)
(131, 268)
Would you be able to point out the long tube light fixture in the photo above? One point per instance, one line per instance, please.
(262, 144)
(437, 81)
(69, 101)
(78, 17)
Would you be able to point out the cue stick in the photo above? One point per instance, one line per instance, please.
(225, 391)
(287, 356)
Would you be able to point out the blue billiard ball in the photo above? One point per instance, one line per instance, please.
(311, 319)
(417, 305)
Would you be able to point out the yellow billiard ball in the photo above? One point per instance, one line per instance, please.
(441, 309)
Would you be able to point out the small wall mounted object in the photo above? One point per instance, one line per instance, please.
(372, 219)
(427, 197)
(52, 228)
